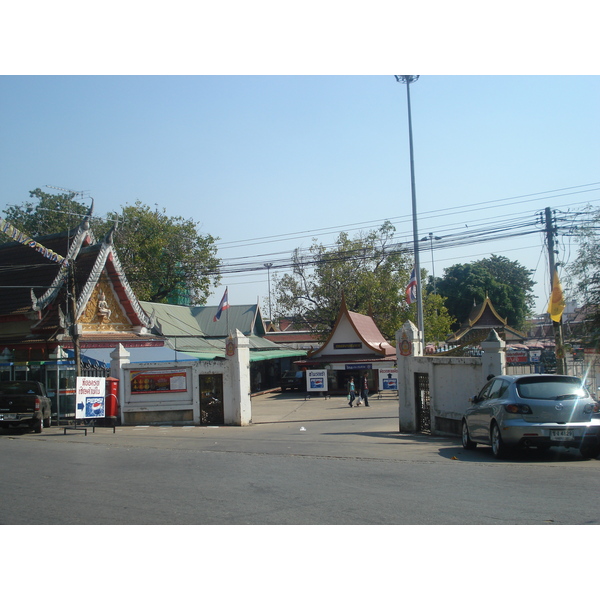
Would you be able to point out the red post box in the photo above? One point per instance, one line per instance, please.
(111, 401)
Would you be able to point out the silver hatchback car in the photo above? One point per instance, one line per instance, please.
(532, 410)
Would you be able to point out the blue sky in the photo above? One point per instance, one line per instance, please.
(253, 157)
(271, 125)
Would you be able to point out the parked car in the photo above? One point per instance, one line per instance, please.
(24, 404)
(532, 410)
(293, 380)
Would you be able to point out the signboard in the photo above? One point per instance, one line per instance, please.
(156, 382)
(535, 355)
(517, 356)
(316, 380)
(361, 366)
(347, 346)
(388, 379)
(90, 398)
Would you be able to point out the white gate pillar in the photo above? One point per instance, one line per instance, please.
(238, 411)
(408, 346)
(120, 357)
(494, 357)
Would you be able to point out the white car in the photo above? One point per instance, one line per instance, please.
(532, 410)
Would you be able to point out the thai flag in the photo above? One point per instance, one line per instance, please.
(411, 288)
(224, 305)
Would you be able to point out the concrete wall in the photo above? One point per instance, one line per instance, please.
(452, 380)
(183, 406)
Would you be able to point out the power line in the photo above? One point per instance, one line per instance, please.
(440, 212)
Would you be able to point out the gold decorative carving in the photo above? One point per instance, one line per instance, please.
(104, 311)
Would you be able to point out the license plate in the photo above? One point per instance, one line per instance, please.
(562, 435)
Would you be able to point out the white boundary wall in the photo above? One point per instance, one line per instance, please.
(452, 380)
(183, 407)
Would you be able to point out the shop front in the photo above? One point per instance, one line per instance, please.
(355, 349)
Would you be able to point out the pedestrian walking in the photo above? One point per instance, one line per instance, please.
(364, 391)
(351, 391)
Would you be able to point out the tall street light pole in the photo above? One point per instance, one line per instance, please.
(431, 238)
(269, 265)
(408, 79)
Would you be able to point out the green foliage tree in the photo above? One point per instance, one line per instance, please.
(507, 283)
(436, 319)
(370, 269)
(584, 273)
(49, 213)
(162, 256)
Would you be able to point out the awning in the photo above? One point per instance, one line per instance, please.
(204, 355)
(274, 354)
(88, 360)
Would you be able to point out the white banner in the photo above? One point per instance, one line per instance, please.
(388, 379)
(90, 399)
(316, 380)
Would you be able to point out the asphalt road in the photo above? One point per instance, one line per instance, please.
(300, 462)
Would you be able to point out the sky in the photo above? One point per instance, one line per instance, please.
(267, 163)
(268, 154)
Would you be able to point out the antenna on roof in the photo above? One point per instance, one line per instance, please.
(66, 190)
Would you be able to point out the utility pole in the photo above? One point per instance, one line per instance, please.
(561, 363)
(74, 332)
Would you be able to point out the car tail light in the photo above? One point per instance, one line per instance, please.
(37, 404)
(517, 409)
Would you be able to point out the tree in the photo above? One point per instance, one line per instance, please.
(51, 213)
(507, 283)
(162, 256)
(584, 271)
(437, 321)
(370, 269)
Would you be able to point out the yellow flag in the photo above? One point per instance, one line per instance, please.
(556, 306)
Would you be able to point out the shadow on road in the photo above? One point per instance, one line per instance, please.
(526, 455)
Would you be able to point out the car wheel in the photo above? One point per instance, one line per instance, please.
(47, 421)
(590, 450)
(38, 426)
(498, 446)
(467, 442)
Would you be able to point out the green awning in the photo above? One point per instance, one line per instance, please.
(272, 354)
(204, 355)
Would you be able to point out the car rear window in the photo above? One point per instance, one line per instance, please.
(550, 388)
(18, 387)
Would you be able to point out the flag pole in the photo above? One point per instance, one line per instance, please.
(227, 312)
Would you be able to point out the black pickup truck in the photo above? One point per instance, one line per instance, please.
(24, 404)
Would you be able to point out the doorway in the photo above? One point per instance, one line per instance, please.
(211, 400)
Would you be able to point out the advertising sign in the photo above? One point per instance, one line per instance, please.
(535, 355)
(388, 379)
(517, 356)
(90, 397)
(316, 380)
(155, 382)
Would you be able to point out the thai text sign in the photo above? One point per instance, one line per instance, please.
(90, 396)
(316, 380)
(156, 382)
(388, 379)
